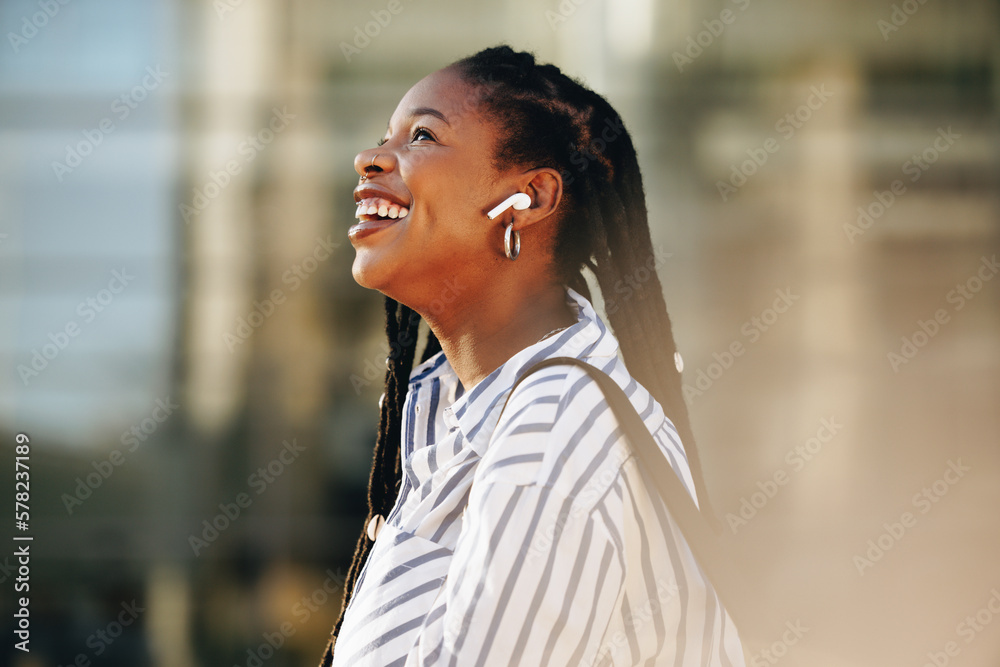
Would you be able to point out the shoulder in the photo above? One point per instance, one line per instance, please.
(557, 431)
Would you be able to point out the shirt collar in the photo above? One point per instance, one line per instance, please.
(477, 411)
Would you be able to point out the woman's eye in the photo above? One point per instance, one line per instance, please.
(419, 132)
(381, 141)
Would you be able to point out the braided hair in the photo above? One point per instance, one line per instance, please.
(549, 119)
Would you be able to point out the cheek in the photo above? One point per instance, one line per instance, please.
(453, 186)
(457, 178)
(449, 211)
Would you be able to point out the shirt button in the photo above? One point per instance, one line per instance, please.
(418, 409)
(375, 526)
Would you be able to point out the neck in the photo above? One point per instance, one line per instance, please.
(480, 336)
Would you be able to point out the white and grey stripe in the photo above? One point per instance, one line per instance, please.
(532, 538)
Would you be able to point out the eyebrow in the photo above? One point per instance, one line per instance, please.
(425, 111)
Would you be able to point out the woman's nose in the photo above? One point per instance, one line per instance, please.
(369, 161)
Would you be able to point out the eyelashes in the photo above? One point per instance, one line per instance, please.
(416, 133)
(421, 130)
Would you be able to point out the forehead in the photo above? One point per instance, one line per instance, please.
(445, 92)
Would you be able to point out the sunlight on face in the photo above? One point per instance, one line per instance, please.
(437, 162)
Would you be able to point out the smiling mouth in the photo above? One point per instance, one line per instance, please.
(377, 208)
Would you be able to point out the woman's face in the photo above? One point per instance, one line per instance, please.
(436, 164)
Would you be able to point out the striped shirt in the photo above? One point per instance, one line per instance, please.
(531, 538)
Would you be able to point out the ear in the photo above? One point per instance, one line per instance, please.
(545, 187)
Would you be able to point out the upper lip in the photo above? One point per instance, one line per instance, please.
(368, 191)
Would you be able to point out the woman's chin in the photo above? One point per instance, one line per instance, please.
(365, 269)
(372, 269)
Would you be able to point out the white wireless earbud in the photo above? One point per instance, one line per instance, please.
(518, 200)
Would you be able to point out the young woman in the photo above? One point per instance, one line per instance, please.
(525, 533)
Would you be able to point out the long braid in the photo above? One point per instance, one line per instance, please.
(655, 333)
(552, 120)
(432, 347)
(401, 328)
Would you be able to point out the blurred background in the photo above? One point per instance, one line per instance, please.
(183, 343)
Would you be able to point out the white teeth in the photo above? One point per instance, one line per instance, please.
(381, 207)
